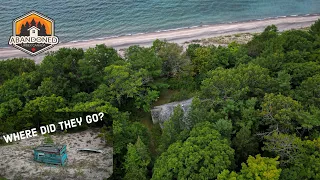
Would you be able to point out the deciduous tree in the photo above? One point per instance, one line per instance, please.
(203, 155)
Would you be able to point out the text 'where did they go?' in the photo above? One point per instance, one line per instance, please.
(46, 129)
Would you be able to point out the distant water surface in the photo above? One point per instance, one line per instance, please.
(78, 20)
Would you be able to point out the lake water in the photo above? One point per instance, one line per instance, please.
(77, 20)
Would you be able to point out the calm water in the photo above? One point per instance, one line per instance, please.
(88, 19)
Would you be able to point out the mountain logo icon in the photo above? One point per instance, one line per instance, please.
(33, 33)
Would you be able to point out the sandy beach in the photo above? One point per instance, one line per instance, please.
(178, 36)
(16, 160)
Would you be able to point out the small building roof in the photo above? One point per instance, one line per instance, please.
(51, 148)
(33, 27)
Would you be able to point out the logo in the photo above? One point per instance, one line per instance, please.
(33, 33)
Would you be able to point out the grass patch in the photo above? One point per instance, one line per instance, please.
(182, 95)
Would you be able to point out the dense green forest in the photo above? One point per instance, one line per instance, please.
(255, 112)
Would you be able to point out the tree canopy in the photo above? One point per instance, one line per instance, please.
(254, 113)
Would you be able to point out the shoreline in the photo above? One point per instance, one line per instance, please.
(178, 35)
(189, 27)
